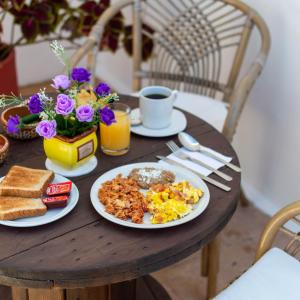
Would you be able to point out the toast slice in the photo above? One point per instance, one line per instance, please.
(12, 208)
(25, 182)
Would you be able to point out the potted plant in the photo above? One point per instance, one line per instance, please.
(49, 20)
(67, 120)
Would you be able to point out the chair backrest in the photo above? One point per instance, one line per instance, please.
(199, 45)
(288, 215)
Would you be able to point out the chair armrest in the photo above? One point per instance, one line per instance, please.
(243, 88)
(277, 221)
(238, 98)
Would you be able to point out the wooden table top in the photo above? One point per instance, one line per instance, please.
(83, 249)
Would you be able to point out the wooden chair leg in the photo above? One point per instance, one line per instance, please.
(19, 293)
(204, 261)
(43, 294)
(213, 267)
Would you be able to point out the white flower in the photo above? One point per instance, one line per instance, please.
(44, 116)
(43, 97)
(2, 101)
(59, 52)
(73, 93)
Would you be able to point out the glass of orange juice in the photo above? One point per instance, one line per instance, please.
(115, 138)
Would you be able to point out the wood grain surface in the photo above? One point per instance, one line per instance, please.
(83, 249)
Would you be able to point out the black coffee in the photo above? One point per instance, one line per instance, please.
(156, 96)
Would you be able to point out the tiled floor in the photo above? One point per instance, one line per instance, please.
(238, 243)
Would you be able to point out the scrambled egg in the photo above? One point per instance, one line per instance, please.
(168, 202)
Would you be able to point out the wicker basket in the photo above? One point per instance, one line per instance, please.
(26, 133)
(4, 146)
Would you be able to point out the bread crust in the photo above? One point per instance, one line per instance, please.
(12, 208)
(8, 189)
(13, 215)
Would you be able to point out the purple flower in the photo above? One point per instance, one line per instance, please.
(107, 116)
(35, 104)
(64, 104)
(61, 82)
(102, 89)
(85, 113)
(13, 123)
(46, 129)
(81, 75)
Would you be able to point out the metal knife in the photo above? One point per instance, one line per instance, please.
(205, 178)
(206, 166)
(228, 164)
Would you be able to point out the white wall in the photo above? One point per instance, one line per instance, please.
(267, 139)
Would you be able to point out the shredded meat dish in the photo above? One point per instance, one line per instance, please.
(122, 198)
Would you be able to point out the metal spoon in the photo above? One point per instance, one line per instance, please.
(193, 145)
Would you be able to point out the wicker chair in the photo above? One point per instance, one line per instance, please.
(275, 273)
(199, 48)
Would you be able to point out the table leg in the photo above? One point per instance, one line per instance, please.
(204, 261)
(94, 293)
(43, 294)
(124, 290)
(19, 293)
(213, 267)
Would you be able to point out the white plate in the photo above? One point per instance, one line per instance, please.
(86, 168)
(181, 174)
(178, 124)
(52, 214)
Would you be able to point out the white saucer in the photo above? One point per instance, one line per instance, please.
(178, 124)
(83, 169)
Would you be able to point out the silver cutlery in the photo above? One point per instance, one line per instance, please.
(193, 145)
(176, 150)
(205, 178)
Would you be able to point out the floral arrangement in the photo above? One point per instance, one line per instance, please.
(76, 108)
(48, 20)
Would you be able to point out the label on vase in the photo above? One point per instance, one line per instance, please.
(85, 150)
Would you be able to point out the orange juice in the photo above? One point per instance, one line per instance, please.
(115, 139)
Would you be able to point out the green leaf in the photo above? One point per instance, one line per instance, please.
(60, 122)
(29, 119)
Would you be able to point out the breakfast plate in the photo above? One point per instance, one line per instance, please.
(52, 214)
(180, 175)
(178, 124)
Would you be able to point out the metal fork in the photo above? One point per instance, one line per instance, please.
(176, 150)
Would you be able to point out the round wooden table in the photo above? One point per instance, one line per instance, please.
(84, 250)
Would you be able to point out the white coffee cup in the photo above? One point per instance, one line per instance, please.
(156, 113)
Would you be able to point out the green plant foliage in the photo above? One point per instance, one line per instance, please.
(147, 42)
(43, 20)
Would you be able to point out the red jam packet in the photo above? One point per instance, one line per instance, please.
(61, 188)
(56, 202)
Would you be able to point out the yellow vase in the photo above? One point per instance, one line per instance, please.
(71, 152)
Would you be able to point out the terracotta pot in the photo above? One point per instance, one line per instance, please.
(26, 133)
(4, 146)
(8, 75)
